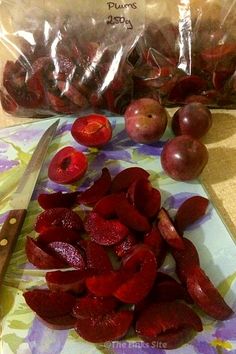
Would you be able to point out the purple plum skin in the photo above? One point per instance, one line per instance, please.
(145, 120)
(184, 158)
(193, 119)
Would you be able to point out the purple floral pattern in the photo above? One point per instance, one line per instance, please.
(42, 340)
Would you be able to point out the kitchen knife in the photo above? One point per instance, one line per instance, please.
(21, 198)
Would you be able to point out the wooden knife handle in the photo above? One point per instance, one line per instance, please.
(8, 236)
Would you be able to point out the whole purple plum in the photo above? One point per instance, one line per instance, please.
(145, 120)
(183, 158)
(193, 119)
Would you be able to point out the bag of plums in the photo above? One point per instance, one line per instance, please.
(187, 53)
(60, 57)
(64, 57)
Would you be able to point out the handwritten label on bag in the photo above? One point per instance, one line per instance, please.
(120, 20)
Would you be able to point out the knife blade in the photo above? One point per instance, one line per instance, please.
(21, 198)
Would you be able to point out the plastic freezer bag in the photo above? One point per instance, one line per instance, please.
(64, 57)
(188, 52)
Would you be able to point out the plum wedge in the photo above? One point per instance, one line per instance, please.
(97, 257)
(57, 200)
(186, 259)
(90, 305)
(41, 257)
(155, 241)
(105, 232)
(99, 188)
(121, 281)
(131, 217)
(145, 198)
(168, 230)
(58, 233)
(206, 296)
(158, 319)
(123, 179)
(70, 254)
(49, 304)
(62, 217)
(140, 282)
(105, 284)
(69, 281)
(190, 211)
(59, 322)
(111, 326)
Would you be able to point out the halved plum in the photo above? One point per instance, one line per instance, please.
(67, 166)
(206, 295)
(70, 280)
(105, 232)
(165, 317)
(92, 130)
(40, 257)
(100, 329)
(99, 189)
(68, 253)
(57, 200)
(60, 217)
(168, 231)
(49, 304)
(191, 210)
(123, 179)
(90, 305)
(141, 264)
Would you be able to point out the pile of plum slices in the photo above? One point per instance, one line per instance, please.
(115, 286)
(66, 82)
(198, 69)
(161, 66)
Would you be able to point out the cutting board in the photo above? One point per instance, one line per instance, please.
(22, 332)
